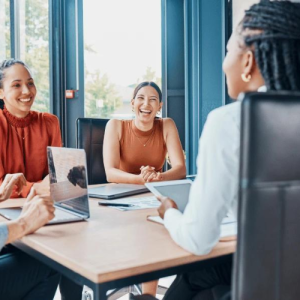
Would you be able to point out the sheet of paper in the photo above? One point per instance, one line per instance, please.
(138, 202)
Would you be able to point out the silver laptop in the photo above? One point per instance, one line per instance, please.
(68, 186)
(117, 190)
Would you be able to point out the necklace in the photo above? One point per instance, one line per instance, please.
(144, 144)
(20, 136)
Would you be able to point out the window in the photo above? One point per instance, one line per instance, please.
(122, 48)
(34, 46)
(5, 29)
(238, 8)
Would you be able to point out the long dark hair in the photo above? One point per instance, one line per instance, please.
(5, 64)
(148, 83)
(271, 29)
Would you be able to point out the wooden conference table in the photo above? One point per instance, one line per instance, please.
(113, 249)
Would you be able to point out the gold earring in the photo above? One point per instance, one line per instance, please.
(132, 109)
(246, 78)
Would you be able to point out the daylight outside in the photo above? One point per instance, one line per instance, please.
(122, 48)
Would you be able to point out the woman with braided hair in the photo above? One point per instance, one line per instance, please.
(263, 54)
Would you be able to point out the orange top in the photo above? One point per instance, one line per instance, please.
(142, 148)
(23, 146)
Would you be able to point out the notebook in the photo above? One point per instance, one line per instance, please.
(68, 186)
(117, 190)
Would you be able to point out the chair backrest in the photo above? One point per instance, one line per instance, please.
(90, 134)
(267, 261)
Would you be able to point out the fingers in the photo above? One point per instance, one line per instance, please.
(31, 195)
(152, 177)
(10, 181)
(20, 182)
(147, 175)
(161, 198)
(145, 170)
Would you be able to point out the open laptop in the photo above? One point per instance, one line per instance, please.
(68, 186)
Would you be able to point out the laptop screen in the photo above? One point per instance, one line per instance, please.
(68, 179)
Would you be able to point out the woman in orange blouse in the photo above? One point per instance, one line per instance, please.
(134, 150)
(24, 137)
(24, 134)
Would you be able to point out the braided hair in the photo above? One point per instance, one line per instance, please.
(272, 30)
(5, 64)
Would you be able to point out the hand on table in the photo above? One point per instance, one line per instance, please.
(10, 181)
(149, 174)
(37, 211)
(166, 203)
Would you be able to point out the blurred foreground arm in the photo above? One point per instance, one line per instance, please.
(37, 211)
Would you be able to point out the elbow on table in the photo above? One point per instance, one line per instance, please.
(196, 244)
(199, 249)
(109, 176)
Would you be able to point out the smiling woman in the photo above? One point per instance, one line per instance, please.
(25, 134)
(135, 150)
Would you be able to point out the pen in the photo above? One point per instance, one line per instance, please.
(115, 204)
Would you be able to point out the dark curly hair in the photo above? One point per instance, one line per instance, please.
(271, 29)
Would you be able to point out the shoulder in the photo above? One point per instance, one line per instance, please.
(168, 124)
(114, 124)
(223, 124)
(114, 127)
(48, 118)
(226, 117)
(230, 112)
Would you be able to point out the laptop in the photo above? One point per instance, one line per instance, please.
(117, 190)
(68, 186)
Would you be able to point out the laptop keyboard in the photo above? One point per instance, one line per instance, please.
(79, 204)
(61, 215)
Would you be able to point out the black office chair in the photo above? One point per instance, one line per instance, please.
(267, 262)
(90, 134)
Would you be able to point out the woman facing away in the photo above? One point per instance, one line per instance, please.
(135, 150)
(24, 136)
(263, 54)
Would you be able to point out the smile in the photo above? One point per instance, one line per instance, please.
(25, 100)
(144, 111)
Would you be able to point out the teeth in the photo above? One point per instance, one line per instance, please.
(25, 100)
(146, 111)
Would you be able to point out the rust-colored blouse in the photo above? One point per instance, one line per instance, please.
(23, 145)
(141, 148)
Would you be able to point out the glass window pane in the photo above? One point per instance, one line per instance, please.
(122, 48)
(238, 9)
(4, 30)
(34, 47)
